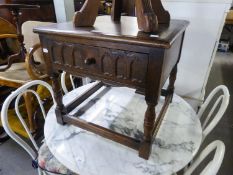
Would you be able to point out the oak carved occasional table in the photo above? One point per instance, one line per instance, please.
(116, 53)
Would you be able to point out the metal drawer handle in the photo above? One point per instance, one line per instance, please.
(89, 61)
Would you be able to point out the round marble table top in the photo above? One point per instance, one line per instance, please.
(122, 110)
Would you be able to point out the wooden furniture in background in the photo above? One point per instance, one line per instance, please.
(7, 30)
(20, 56)
(45, 13)
(229, 27)
(229, 18)
(5, 13)
(116, 54)
(30, 67)
(78, 4)
(128, 7)
(149, 14)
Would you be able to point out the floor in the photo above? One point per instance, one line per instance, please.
(222, 73)
(11, 155)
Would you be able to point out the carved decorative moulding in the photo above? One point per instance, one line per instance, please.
(150, 13)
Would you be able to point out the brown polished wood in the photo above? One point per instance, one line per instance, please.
(5, 13)
(45, 13)
(116, 54)
(162, 15)
(147, 19)
(129, 8)
(15, 10)
(87, 15)
(150, 13)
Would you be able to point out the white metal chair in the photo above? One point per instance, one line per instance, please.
(41, 156)
(214, 165)
(213, 115)
(71, 77)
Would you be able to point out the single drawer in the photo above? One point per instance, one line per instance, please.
(112, 64)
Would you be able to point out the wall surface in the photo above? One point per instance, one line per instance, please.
(64, 10)
(201, 39)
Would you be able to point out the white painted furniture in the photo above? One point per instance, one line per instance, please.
(206, 18)
(212, 111)
(214, 165)
(121, 109)
(63, 82)
(42, 159)
(213, 117)
(71, 78)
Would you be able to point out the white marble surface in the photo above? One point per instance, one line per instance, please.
(122, 110)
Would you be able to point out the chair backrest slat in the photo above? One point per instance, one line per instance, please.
(17, 96)
(214, 165)
(21, 118)
(71, 77)
(215, 117)
(220, 98)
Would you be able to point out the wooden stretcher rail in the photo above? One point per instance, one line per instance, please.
(78, 100)
(162, 114)
(107, 133)
(104, 132)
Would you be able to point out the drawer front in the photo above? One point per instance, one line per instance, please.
(109, 64)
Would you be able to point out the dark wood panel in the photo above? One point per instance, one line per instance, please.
(125, 66)
(45, 13)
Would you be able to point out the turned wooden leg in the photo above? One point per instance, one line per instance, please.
(60, 109)
(149, 122)
(87, 15)
(172, 80)
(28, 103)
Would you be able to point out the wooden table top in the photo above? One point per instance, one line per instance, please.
(126, 31)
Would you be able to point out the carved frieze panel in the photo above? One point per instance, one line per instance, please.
(110, 63)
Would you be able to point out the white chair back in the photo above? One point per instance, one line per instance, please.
(16, 95)
(222, 100)
(71, 77)
(31, 38)
(214, 165)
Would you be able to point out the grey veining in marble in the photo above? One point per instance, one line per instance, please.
(121, 110)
